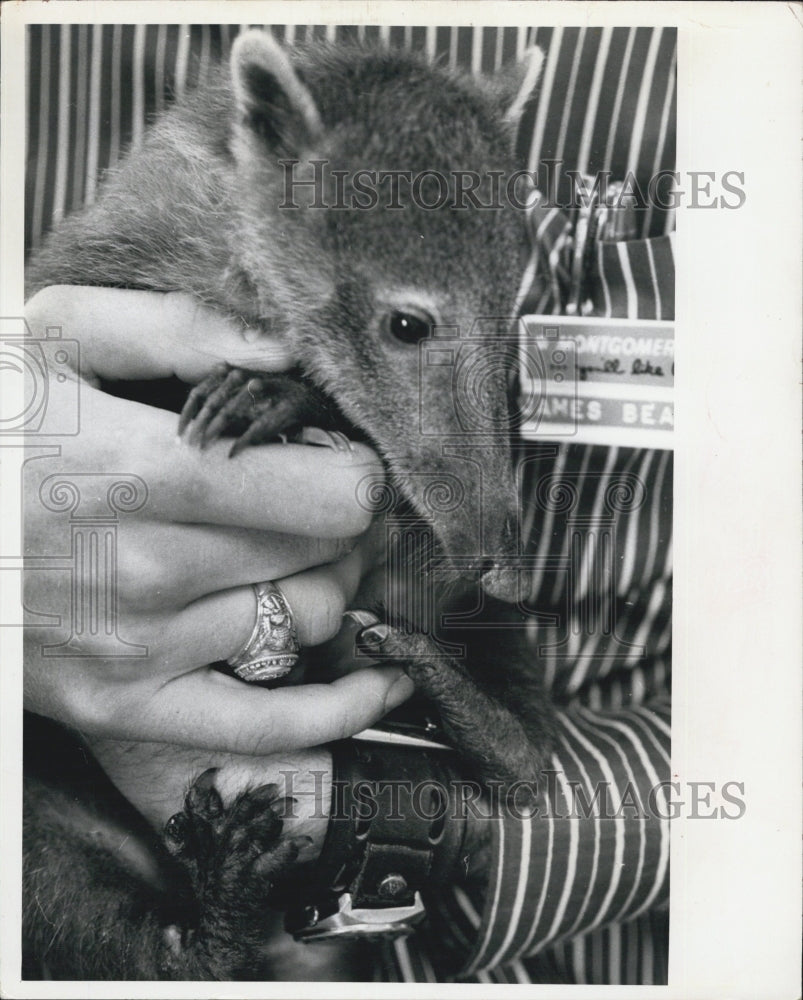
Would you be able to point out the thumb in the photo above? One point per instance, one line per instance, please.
(133, 334)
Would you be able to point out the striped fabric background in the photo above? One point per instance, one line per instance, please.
(569, 900)
(93, 88)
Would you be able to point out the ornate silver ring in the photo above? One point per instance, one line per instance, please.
(272, 648)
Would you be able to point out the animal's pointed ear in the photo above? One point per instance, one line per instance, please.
(272, 101)
(518, 84)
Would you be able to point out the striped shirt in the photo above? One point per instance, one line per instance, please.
(577, 894)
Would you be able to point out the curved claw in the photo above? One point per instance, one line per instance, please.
(199, 433)
(335, 440)
(199, 394)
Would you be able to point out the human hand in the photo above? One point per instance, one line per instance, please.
(199, 530)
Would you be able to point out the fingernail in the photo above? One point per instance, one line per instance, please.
(363, 618)
(399, 692)
(374, 636)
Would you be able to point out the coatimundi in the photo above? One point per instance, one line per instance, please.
(236, 196)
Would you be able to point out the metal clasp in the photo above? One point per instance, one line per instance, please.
(347, 922)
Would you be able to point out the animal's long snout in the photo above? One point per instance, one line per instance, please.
(496, 556)
(504, 576)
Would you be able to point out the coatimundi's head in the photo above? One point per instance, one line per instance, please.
(377, 224)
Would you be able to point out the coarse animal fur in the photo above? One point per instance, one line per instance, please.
(196, 209)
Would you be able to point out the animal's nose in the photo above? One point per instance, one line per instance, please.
(505, 583)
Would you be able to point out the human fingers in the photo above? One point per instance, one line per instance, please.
(295, 488)
(163, 565)
(217, 626)
(208, 709)
(131, 334)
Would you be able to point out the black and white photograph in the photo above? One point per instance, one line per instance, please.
(348, 496)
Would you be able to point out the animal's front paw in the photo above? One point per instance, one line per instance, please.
(233, 856)
(254, 407)
(486, 731)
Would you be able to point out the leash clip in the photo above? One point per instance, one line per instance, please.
(348, 923)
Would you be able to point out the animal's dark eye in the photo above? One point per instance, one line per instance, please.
(409, 327)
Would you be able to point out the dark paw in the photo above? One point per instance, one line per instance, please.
(230, 852)
(486, 731)
(254, 407)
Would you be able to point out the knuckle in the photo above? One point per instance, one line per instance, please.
(146, 581)
(327, 550)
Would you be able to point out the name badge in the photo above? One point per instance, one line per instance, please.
(597, 381)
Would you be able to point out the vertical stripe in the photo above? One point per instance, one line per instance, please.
(432, 41)
(569, 859)
(544, 101)
(549, 854)
(648, 974)
(617, 104)
(590, 546)
(42, 137)
(79, 146)
(615, 954)
(159, 66)
(499, 878)
(642, 635)
(138, 87)
(568, 98)
(655, 519)
(608, 308)
(225, 40)
(595, 940)
(204, 54)
(662, 133)
(93, 125)
(114, 145)
(598, 721)
(630, 284)
(476, 50)
(331, 32)
(654, 781)
(519, 899)
(593, 100)
(632, 951)
(453, 36)
(500, 44)
(578, 960)
(527, 279)
(618, 821)
(656, 290)
(426, 965)
(546, 529)
(640, 116)
(182, 60)
(592, 875)
(563, 581)
(631, 541)
(63, 134)
(403, 958)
